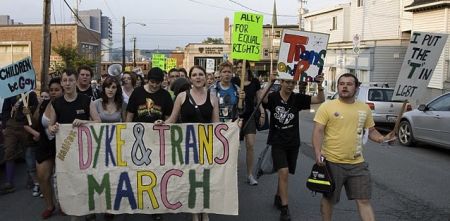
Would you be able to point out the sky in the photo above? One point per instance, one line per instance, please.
(169, 23)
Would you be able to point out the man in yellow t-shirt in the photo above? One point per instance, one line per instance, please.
(338, 136)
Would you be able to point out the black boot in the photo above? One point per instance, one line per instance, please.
(284, 215)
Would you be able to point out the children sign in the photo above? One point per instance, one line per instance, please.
(302, 55)
(421, 58)
(147, 168)
(17, 78)
(247, 36)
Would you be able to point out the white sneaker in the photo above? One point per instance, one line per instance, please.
(36, 190)
(252, 181)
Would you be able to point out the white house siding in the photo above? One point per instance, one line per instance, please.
(433, 21)
(381, 19)
(387, 62)
(323, 23)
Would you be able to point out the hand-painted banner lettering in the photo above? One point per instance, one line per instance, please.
(17, 78)
(147, 168)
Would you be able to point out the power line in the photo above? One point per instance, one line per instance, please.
(170, 35)
(109, 9)
(212, 6)
(261, 12)
(78, 18)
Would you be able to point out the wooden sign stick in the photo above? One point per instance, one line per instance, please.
(244, 71)
(397, 123)
(25, 105)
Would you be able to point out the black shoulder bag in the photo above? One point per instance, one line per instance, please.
(320, 180)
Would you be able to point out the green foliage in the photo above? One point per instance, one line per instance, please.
(213, 40)
(71, 58)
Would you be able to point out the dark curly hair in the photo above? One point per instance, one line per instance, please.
(118, 99)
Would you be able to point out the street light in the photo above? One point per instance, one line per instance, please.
(123, 39)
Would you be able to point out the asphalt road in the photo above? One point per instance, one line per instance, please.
(408, 184)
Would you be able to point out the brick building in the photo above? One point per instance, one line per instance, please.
(19, 41)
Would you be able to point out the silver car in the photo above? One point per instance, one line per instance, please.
(428, 123)
(384, 110)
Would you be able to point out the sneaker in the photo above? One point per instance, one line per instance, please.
(252, 181)
(7, 188)
(47, 213)
(157, 217)
(277, 202)
(284, 215)
(36, 190)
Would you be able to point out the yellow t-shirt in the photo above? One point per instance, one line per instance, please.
(344, 130)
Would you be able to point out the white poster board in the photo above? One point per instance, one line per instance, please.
(420, 61)
(146, 168)
(210, 63)
(302, 55)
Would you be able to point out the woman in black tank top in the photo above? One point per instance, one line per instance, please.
(196, 105)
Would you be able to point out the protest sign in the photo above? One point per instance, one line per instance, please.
(247, 36)
(302, 55)
(420, 61)
(210, 64)
(17, 78)
(171, 63)
(159, 60)
(147, 168)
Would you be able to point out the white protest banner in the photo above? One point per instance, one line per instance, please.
(146, 168)
(302, 55)
(210, 63)
(17, 78)
(421, 58)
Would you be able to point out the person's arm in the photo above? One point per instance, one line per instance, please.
(129, 117)
(176, 109)
(376, 136)
(320, 97)
(53, 126)
(36, 134)
(215, 113)
(265, 90)
(317, 139)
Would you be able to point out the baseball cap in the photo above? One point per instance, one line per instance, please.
(156, 74)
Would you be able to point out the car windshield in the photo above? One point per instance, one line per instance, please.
(378, 94)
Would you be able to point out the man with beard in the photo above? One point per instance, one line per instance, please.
(338, 136)
(284, 106)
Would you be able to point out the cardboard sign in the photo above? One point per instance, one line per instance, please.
(159, 60)
(146, 168)
(247, 36)
(421, 58)
(17, 78)
(210, 64)
(171, 63)
(302, 55)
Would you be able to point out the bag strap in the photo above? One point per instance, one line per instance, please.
(197, 110)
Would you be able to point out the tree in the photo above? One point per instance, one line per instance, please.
(71, 58)
(213, 40)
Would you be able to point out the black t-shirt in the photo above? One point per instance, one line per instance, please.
(149, 107)
(250, 97)
(94, 94)
(67, 112)
(188, 114)
(284, 125)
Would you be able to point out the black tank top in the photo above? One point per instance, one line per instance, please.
(188, 113)
(67, 112)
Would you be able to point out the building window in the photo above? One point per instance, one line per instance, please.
(277, 51)
(277, 34)
(266, 52)
(360, 3)
(334, 24)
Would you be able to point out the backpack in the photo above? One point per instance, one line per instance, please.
(320, 180)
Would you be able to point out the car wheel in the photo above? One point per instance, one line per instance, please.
(405, 134)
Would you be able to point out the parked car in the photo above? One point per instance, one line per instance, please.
(379, 98)
(428, 123)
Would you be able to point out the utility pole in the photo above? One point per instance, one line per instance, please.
(134, 52)
(45, 51)
(123, 43)
(300, 20)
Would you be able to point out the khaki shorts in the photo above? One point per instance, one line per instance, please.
(354, 177)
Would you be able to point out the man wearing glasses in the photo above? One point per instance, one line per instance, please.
(284, 106)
